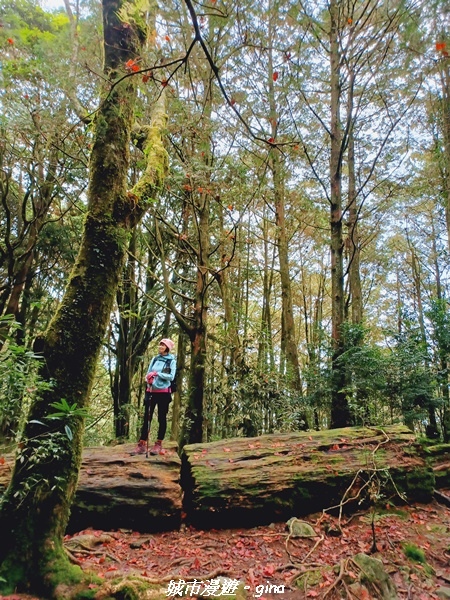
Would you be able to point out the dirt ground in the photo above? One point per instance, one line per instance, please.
(412, 542)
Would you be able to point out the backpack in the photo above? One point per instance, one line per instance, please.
(167, 369)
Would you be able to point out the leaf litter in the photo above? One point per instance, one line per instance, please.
(268, 556)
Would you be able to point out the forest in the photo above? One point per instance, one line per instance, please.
(268, 186)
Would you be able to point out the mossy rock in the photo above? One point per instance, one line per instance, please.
(310, 578)
(300, 529)
(372, 575)
(256, 481)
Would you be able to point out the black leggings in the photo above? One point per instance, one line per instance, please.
(151, 401)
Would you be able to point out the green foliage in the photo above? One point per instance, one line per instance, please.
(409, 379)
(67, 412)
(365, 365)
(41, 454)
(19, 380)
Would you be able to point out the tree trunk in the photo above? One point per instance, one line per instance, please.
(35, 509)
(176, 429)
(432, 428)
(354, 243)
(340, 412)
(123, 372)
(288, 337)
(445, 116)
(266, 359)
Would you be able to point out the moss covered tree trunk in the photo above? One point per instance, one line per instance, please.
(35, 509)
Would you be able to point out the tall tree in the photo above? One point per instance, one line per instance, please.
(35, 509)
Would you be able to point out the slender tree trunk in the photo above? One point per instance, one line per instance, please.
(35, 509)
(340, 412)
(445, 86)
(266, 358)
(399, 303)
(194, 412)
(288, 335)
(123, 373)
(176, 428)
(354, 243)
(432, 429)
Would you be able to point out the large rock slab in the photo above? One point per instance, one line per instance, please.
(116, 490)
(247, 481)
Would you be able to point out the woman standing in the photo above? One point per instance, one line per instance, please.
(160, 375)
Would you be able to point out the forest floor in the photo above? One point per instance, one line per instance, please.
(412, 542)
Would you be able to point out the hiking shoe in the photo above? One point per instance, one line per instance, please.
(141, 448)
(157, 448)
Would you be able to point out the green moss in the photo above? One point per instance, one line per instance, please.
(310, 579)
(414, 553)
(86, 594)
(438, 449)
(417, 555)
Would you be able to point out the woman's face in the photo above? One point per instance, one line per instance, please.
(162, 348)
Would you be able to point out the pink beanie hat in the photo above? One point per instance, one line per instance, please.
(168, 343)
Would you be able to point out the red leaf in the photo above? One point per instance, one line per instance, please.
(134, 68)
(268, 570)
(129, 63)
(275, 75)
(145, 78)
(10, 41)
(440, 46)
(232, 101)
(164, 82)
(167, 38)
(271, 140)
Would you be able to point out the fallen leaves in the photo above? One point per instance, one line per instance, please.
(259, 555)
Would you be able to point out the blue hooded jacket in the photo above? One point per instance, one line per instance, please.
(163, 380)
